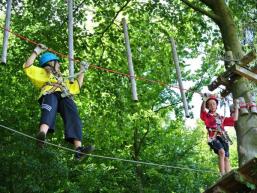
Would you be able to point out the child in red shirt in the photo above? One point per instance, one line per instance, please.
(216, 134)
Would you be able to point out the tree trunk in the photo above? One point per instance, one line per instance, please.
(246, 127)
(139, 171)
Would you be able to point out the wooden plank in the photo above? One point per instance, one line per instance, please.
(237, 180)
(249, 171)
(243, 179)
(229, 75)
(232, 183)
(245, 72)
(229, 184)
(219, 189)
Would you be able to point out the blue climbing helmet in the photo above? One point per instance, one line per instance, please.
(47, 57)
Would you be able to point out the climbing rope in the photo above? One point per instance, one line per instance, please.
(113, 158)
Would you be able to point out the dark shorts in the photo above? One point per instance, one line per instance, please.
(219, 143)
(51, 104)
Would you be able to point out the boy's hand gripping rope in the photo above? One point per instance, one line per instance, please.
(83, 68)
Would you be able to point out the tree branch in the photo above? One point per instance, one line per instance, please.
(76, 9)
(142, 140)
(196, 8)
(113, 19)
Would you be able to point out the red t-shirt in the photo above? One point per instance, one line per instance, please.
(210, 122)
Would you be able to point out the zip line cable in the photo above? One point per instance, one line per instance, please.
(112, 158)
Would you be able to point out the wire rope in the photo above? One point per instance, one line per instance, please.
(112, 158)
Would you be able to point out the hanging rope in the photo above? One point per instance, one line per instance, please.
(113, 158)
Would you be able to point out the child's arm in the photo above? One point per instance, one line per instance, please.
(30, 60)
(39, 49)
(83, 68)
(204, 98)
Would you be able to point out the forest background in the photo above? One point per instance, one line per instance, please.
(152, 130)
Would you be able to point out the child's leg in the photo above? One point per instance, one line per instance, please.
(77, 143)
(73, 125)
(49, 106)
(81, 151)
(43, 128)
(226, 159)
(41, 136)
(221, 154)
(48, 112)
(227, 165)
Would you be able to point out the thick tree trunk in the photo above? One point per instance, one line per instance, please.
(227, 28)
(246, 128)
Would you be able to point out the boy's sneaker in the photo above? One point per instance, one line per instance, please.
(41, 136)
(83, 151)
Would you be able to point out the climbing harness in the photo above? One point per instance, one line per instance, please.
(59, 84)
(218, 131)
(60, 81)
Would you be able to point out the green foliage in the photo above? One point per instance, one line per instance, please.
(116, 125)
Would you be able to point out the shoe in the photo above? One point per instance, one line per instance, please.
(41, 137)
(83, 151)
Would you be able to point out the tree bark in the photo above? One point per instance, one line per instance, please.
(228, 29)
(139, 171)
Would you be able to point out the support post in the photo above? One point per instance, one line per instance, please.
(70, 33)
(181, 88)
(6, 31)
(130, 63)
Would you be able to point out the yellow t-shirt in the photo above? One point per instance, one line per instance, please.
(40, 78)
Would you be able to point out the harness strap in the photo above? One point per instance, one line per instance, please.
(215, 130)
(59, 84)
(51, 90)
(54, 87)
(218, 130)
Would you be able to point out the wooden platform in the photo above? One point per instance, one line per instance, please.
(242, 180)
(236, 69)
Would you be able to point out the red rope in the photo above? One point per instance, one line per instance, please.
(91, 65)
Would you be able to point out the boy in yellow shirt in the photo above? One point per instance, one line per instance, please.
(56, 97)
